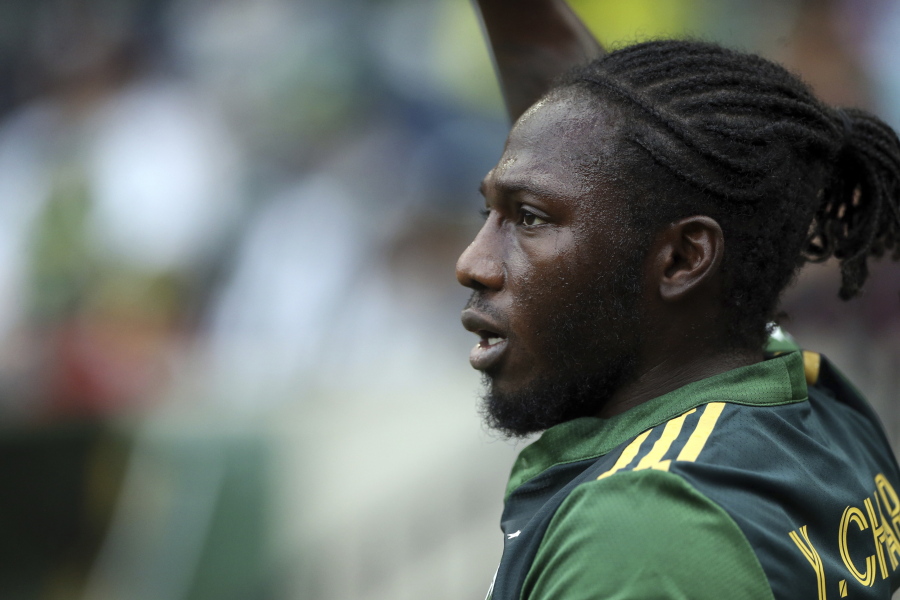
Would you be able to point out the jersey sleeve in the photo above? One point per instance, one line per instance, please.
(639, 535)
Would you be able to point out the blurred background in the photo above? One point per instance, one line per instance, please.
(231, 365)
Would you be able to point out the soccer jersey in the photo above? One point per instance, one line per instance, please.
(773, 480)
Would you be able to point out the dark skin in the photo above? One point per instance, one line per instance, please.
(683, 281)
(533, 42)
(556, 227)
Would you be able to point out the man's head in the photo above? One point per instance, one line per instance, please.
(555, 270)
(663, 195)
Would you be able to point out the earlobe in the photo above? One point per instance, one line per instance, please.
(689, 256)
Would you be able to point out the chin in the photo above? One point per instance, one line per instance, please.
(542, 403)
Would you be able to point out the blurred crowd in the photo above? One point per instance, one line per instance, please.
(231, 364)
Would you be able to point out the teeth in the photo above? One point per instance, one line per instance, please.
(494, 340)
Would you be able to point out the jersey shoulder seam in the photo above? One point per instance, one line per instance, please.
(627, 479)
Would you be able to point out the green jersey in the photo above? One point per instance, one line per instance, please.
(773, 480)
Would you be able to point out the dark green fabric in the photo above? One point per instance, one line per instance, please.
(771, 382)
(749, 484)
(639, 535)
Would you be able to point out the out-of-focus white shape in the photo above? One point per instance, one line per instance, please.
(162, 178)
(294, 268)
(780, 334)
(24, 186)
(164, 175)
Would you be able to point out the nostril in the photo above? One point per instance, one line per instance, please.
(475, 285)
(464, 271)
(471, 278)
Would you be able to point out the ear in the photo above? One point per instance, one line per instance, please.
(688, 254)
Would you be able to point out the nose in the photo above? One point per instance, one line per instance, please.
(480, 266)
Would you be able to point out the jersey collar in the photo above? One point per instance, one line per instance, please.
(778, 380)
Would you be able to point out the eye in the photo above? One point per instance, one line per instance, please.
(529, 219)
(484, 212)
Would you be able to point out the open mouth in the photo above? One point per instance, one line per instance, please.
(489, 338)
(488, 351)
(492, 343)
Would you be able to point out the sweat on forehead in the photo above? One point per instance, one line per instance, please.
(566, 136)
(578, 119)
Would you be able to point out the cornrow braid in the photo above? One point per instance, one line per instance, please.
(741, 139)
(860, 216)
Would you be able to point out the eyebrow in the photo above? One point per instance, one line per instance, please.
(508, 188)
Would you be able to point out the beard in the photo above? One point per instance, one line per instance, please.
(543, 404)
(593, 341)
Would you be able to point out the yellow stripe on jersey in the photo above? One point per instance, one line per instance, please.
(705, 427)
(691, 450)
(662, 445)
(811, 363)
(628, 454)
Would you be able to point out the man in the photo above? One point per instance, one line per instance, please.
(648, 210)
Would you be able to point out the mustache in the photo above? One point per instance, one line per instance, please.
(478, 303)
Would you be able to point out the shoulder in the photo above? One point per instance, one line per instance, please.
(642, 534)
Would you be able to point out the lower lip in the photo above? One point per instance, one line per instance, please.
(483, 357)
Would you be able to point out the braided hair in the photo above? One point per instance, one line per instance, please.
(742, 140)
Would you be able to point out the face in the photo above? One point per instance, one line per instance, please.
(554, 272)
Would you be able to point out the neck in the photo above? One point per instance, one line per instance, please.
(675, 369)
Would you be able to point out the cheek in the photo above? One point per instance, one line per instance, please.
(547, 275)
(603, 240)
(549, 251)
(542, 260)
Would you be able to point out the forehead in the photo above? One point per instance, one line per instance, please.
(562, 144)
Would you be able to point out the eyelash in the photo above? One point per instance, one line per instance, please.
(523, 214)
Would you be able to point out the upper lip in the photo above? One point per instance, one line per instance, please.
(481, 324)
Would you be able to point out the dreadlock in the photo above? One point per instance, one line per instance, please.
(742, 140)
